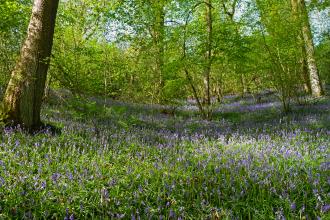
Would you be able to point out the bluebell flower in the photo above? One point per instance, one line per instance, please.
(325, 208)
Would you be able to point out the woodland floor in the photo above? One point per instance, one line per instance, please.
(128, 161)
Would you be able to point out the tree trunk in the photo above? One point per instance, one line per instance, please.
(208, 56)
(23, 97)
(304, 71)
(299, 8)
(199, 104)
(159, 35)
(244, 90)
(190, 80)
(218, 90)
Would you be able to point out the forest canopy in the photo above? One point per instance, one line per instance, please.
(142, 51)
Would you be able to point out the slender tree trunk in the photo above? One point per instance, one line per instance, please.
(243, 85)
(208, 56)
(190, 80)
(23, 97)
(159, 36)
(218, 90)
(199, 104)
(300, 11)
(47, 87)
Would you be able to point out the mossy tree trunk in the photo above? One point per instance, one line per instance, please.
(23, 97)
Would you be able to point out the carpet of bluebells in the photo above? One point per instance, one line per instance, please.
(126, 161)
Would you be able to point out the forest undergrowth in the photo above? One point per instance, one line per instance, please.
(116, 160)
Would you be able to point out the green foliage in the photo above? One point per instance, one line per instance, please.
(82, 108)
(13, 25)
(3, 114)
(13, 14)
(125, 51)
(173, 90)
(283, 49)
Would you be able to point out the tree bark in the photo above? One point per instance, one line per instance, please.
(23, 97)
(159, 36)
(244, 90)
(208, 56)
(199, 104)
(304, 72)
(299, 9)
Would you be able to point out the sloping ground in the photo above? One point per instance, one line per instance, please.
(129, 161)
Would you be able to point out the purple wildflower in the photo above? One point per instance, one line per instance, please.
(293, 206)
(172, 214)
(2, 181)
(325, 208)
(55, 177)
